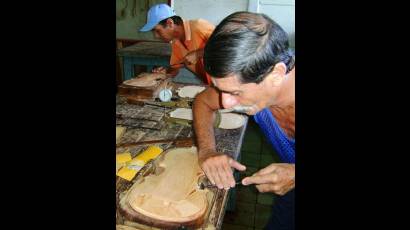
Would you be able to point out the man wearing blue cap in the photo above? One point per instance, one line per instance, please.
(187, 38)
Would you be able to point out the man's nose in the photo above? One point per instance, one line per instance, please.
(229, 101)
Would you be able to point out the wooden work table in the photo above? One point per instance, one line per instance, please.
(147, 122)
(146, 53)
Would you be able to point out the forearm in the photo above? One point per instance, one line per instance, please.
(204, 132)
(204, 108)
(216, 166)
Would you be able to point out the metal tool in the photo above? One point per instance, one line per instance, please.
(138, 126)
(121, 116)
(148, 168)
(182, 142)
(150, 103)
(203, 186)
(203, 183)
(160, 104)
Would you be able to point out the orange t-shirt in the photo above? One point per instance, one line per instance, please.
(197, 33)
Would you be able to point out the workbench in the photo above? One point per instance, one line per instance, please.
(147, 122)
(151, 54)
(147, 54)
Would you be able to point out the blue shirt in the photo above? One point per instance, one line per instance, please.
(284, 146)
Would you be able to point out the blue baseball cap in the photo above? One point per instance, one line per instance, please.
(156, 14)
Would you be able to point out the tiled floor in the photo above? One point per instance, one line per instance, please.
(253, 209)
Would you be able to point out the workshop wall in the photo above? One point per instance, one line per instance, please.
(132, 15)
(211, 10)
(282, 11)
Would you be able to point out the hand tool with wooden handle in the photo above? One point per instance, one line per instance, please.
(202, 186)
(203, 183)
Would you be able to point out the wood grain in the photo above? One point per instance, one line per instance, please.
(170, 197)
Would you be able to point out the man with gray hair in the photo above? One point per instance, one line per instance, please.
(253, 71)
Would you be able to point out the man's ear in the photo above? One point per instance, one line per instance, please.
(277, 74)
(170, 23)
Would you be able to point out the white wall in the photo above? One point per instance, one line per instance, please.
(211, 10)
(281, 11)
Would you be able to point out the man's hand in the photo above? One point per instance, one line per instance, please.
(160, 70)
(217, 168)
(276, 178)
(192, 57)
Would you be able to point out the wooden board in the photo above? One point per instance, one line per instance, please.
(141, 93)
(170, 197)
(146, 80)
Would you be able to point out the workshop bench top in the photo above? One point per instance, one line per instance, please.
(152, 125)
